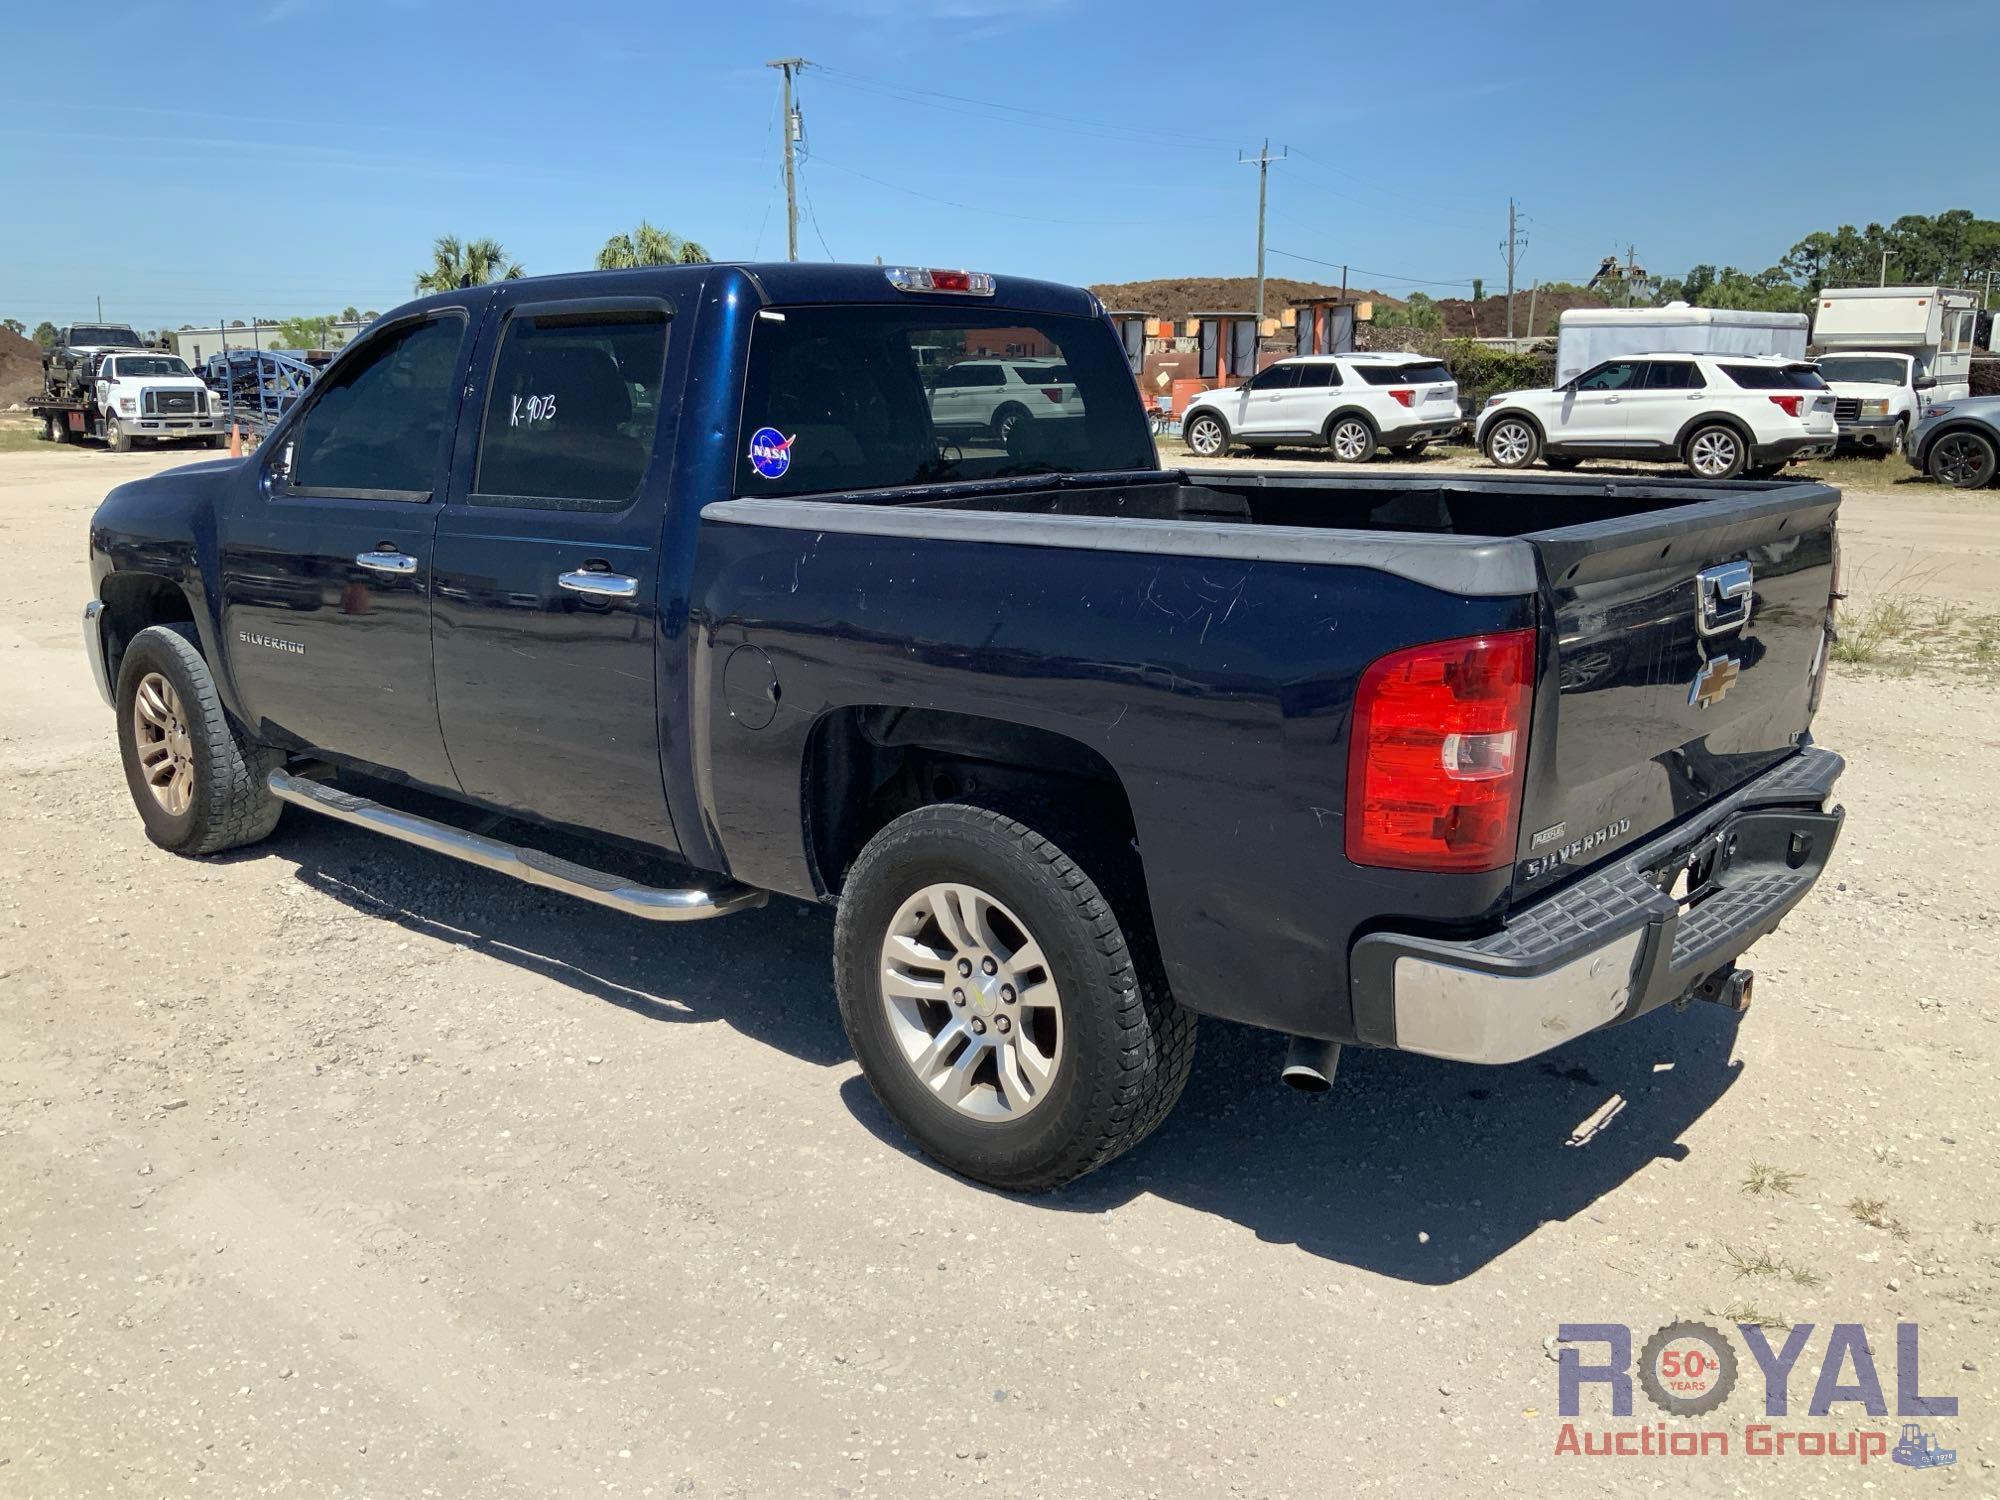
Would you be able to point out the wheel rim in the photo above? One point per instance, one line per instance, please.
(160, 738)
(1350, 440)
(1007, 424)
(972, 1003)
(1204, 437)
(1511, 443)
(111, 430)
(1713, 453)
(1958, 460)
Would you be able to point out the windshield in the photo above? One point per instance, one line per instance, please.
(857, 397)
(98, 334)
(132, 365)
(1865, 371)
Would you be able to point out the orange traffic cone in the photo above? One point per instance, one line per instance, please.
(235, 441)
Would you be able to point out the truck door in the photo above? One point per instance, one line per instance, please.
(545, 614)
(326, 553)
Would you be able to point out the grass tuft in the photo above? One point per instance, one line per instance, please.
(1765, 1178)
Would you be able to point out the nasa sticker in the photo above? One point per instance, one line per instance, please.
(770, 452)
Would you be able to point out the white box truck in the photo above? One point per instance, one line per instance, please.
(1587, 336)
(1887, 352)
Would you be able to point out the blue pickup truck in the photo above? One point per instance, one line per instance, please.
(669, 589)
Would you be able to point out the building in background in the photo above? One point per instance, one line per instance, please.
(196, 344)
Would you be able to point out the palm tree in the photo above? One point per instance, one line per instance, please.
(648, 246)
(468, 264)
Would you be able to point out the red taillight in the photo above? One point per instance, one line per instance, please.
(1789, 404)
(1439, 743)
(1403, 398)
(1054, 393)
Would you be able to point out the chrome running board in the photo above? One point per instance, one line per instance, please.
(654, 903)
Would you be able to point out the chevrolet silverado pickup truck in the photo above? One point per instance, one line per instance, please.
(660, 589)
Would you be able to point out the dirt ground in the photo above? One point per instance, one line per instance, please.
(332, 1168)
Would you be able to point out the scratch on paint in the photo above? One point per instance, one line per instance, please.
(1121, 716)
(1322, 814)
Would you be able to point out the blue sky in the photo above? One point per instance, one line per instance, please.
(294, 156)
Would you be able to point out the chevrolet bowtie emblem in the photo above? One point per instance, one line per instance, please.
(1713, 680)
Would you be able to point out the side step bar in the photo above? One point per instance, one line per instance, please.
(654, 903)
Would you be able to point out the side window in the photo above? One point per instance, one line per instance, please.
(1673, 375)
(1317, 377)
(572, 407)
(1277, 378)
(377, 423)
(1615, 376)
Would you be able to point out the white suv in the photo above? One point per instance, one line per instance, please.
(987, 399)
(1354, 403)
(1720, 414)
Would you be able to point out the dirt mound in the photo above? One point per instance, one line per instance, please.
(20, 368)
(1487, 318)
(1183, 296)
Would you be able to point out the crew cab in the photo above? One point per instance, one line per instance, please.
(1353, 403)
(660, 589)
(1722, 415)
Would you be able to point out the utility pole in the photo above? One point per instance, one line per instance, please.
(1533, 292)
(788, 66)
(1513, 246)
(1631, 267)
(1263, 159)
(1885, 269)
(100, 307)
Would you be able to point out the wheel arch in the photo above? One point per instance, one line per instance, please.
(1922, 456)
(867, 764)
(132, 603)
(1519, 414)
(1715, 419)
(1341, 412)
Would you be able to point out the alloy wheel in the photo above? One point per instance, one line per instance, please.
(971, 1002)
(1511, 444)
(1350, 440)
(1958, 459)
(165, 749)
(1204, 436)
(1714, 453)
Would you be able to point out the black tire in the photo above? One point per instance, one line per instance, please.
(1512, 443)
(116, 438)
(230, 805)
(1408, 450)
(1351, 439)
(1006, 419)
(217, 441)
(1716, 451)
(1964, 459)
(1763, 471)
(55, 427)
(1561, 463)
(1126, 1047)
(1206, 435)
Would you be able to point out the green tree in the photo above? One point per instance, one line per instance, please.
(471, 263)
(649, 246)
(14, 325)
(305, 333)
(350, 314)
(45, 334)
(1419, 312)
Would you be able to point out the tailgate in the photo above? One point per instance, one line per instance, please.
(1687, 644)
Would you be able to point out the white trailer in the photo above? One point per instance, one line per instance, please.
(1935, 325)
(1587, 336)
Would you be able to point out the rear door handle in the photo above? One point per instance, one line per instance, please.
(384, 560)
(599, 585)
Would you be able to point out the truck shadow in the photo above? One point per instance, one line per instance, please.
(766, 972)
(1410, 1167)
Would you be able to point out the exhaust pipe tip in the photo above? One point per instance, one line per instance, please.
(1310, 1064)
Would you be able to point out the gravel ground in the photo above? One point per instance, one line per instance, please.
(333, 1168)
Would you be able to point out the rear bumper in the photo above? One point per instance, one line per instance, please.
(1785, 450)
(1434, 431)
(1615, 944)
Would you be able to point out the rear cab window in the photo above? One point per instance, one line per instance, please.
(857, 397)
(1775, 377)
(572, 405)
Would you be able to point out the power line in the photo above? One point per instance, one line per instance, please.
(993, 110)
(1364, 271)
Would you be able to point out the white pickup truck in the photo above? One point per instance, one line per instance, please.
(1878, 396)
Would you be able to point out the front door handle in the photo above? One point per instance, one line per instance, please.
(599, 585)
(385, 560)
